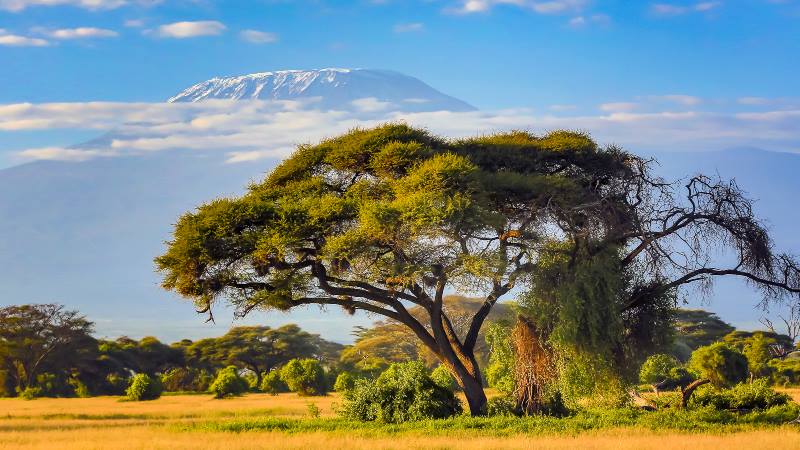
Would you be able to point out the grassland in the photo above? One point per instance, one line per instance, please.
(284, 421)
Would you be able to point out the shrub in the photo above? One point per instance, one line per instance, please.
(443, 378)
(755, 395)
(305, 377)
(31, 393)
(228, 383)
(404, 392)
(721, 364)
(501, 406)
(271, 383)
(144, 387)
(344, 382)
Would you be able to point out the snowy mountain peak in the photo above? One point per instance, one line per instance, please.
(332, 88)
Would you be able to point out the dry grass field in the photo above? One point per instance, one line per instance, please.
(108, 423)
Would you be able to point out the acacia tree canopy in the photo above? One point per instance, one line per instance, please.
(385, 219)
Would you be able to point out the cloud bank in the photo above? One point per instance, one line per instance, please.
(251, 130)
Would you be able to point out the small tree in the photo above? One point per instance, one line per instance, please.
(344, 382)
(305, 377)
(143, 387)
(720, 364)
(662, 371)
(271, 383)
(228, 383)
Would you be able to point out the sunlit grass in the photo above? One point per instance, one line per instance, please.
(281, 422)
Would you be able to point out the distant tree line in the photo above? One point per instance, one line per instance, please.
(47, 350)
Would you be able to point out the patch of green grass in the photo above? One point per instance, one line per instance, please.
(697, 420)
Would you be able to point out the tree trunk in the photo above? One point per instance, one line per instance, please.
(686, 393)
(476, 397)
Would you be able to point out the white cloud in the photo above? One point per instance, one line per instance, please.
(686, 100)
(538, 6)
(618, 106)
(60, 154)
(134, 23)
(669, 9)
(183, 30)
(13, 40)
(581, 21)
(19, 5)
(78, 33)
(250, 130)
(409, 27)
(561, 107)
(258, 37)
(370, 105)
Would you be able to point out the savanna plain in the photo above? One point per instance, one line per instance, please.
(287, 421)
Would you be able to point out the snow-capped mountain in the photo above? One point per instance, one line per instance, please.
(364, 90)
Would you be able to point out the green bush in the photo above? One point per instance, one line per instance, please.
(344, 382)
(657, 368)
(228, 383)
(723, 365)
(755, 395)
(305, 377)
(443, 378)
(271, 383)
(785, 372)
(144, 387)
(502, 405)
(404, 392)
(31, 393)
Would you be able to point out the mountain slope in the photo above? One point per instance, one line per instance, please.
(328, 89)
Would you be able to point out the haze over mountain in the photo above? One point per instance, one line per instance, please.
(85, 233)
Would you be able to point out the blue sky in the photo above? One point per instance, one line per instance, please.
(504, 54)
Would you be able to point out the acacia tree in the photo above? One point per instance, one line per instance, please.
(39, 338)
(391, 218)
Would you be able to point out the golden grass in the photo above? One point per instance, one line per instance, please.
(107, 423)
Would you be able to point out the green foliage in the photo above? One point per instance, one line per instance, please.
(755, 395)
(345, 381)
(228, 383)
(696, 328)
(313, 410)
(271, 383)
(663, 369)
(723, 365)
(500, 370)
(43, 339)
(694, 420)
(785, 372)
(502, 405)
(182, 379)
(116, 384)
(404, 392)
(30, 393)
(587, 381)
(441, 376)
(305, 377)
(144, 387)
